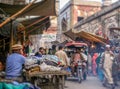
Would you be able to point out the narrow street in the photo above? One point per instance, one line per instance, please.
(90, 83)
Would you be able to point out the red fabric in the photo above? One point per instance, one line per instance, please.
(94, 65)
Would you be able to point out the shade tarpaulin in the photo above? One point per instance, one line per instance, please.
(42, 8)
(15, 25)
(18, 26)
(85, 35)
(38, 27)
(71, 34)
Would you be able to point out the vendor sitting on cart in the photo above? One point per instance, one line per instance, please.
(14, 63)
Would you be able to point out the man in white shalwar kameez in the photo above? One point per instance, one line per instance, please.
(107, 65)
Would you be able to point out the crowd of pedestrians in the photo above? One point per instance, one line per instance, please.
(105, 66)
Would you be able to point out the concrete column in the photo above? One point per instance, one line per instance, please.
(71, 13)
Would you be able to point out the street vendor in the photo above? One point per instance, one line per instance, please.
(40, 52)
(14, 63)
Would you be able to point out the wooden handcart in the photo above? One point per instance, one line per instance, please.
(48, 80)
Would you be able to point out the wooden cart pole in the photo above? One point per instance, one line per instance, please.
(11, 37)
(4, 45)
(16, 14)
(39, 20)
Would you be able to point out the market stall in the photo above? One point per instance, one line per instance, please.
(45, 72)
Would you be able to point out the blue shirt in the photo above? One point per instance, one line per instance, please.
(14, 65)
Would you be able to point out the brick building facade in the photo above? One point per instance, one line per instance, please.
(74, 11)
(104, 23)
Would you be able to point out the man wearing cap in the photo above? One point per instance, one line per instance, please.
(107, 65)
(15, 62)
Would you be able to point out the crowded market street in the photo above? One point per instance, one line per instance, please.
(59, 44)
(90, 83)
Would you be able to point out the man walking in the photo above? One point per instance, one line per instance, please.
(62, 56)
(107, 65)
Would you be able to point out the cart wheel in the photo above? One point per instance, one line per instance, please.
(80, 75)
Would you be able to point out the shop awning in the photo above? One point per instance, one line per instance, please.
(71, 34)
(85, 35)
(18, 26)
(42, 8)
(38, 27)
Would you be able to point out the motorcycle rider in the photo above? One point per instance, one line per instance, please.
(77, 57)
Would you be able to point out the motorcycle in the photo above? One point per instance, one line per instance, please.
(80, 71)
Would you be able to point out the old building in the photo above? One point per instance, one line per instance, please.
(74, 11)
(105, 23)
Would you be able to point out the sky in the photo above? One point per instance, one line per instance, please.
(63, 2)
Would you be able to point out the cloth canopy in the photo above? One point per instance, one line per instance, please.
(38, 27)
(71, 34)
(85, 35)
(42, 8)
(18, 26)
(5, 30)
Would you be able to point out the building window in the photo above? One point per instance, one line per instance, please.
(64, 24)
(79, 18)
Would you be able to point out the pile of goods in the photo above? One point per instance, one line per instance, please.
(42, 64)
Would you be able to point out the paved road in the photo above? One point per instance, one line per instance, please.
(90, 83)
